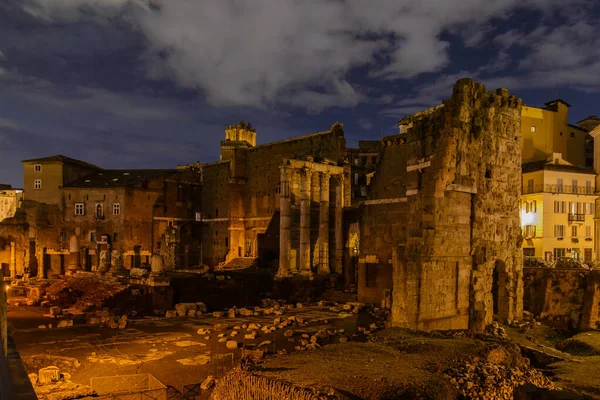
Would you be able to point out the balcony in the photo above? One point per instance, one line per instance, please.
(566, 189)
(576, 217)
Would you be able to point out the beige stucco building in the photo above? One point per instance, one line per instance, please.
(44, 177)
(547, 130)
(10, 201)
(557, 210)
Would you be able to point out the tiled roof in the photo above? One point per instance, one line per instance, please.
(117, 178)
(63, 159)
(549, 166)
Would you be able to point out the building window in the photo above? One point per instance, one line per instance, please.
(572, 134)
(574, 231)
(116, 208)
(530, 186)
(530, 231)
(529, 252)
(575, 184)
(532, 128)
(588, 232)
(37, 167)
(574, 207)
(277, 189)
(530, 206)
(79, 209)
(226, 242)
(217, 213)
(99, 211)
(559, 253)
(355, 178)
(560, 207)
(115, 237)
(93, 237)
(37, 184)
(198, 217)
(559, 185)
(588, 187)
(559, 231)
(63, 236)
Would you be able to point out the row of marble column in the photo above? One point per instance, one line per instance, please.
(286, 269)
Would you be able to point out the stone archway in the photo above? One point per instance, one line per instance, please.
(500, 291)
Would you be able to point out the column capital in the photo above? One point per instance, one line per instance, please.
(305, 172)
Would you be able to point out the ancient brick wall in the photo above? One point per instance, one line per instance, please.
(443, 214)
(567, 298)
(215, 212)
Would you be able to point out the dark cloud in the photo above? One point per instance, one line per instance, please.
(151, 83)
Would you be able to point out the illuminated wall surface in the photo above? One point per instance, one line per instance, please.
(557, 212)
(547, 131)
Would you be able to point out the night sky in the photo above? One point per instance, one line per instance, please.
(152, 84)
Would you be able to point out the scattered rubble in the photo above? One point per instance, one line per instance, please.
(83, 291)
(208, 383)
(484, 380)
(51, 384)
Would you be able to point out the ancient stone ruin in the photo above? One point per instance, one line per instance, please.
(441, 225)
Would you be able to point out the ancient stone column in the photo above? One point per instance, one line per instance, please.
(157, 264)
(339, 240)
(116, 263)
(13, 259)
(305, 186)
(74, 263)
(3, 320)
(324, 226)
(285, 221)
(104, 264)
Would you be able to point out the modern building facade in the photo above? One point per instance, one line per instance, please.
(558, 210)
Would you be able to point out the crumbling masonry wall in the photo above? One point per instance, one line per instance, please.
(568, 298)
(442, 217)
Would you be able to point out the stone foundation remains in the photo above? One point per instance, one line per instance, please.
(565, 298)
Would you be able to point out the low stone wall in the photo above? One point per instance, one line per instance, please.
(570, 298)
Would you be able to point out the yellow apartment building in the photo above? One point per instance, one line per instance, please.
(558, 209)
(547, 130)
(10, 201)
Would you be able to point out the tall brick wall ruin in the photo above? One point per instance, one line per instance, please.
(442, 218)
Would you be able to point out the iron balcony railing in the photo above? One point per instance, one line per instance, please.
(577, 217)
(568, 189)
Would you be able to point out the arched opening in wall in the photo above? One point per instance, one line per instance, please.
(99, 211)
(499, 291)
